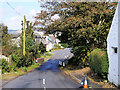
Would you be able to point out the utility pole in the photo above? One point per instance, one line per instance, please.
(24, 38)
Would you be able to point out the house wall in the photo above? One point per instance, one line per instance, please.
(119, 44)
(4, 57)
(49, 46)
(112, 43)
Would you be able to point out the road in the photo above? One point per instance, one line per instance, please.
(46, 76)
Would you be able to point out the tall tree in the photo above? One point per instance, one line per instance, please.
(7, 47)
(83, 25)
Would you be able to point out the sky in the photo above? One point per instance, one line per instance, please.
(12, 17)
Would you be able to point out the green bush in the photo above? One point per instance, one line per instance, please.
(41, 48)
(13, 68)
(118, 86)
(80, 58)
(65, 45)
(5, 66)
(47, 54)
(98, 62)
(19, 60)
(24, 69)
(56, 46)
(29, 59)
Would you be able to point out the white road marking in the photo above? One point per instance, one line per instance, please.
(44, 88)
(63, 64)
(43, 81)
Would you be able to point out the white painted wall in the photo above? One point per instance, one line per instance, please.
(4, 57)
(49, 45)
(119, 43)
(16, 41)
(112, 41)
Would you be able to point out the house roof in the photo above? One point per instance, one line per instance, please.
(53, 38)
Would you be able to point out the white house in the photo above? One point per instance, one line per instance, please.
(113, 48)
(4, 57)
(48, 40)
(16, 41)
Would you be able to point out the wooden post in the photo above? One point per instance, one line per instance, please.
(24, 38)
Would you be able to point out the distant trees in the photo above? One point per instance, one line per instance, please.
(32, 49)
(84, 25)
(7, 47)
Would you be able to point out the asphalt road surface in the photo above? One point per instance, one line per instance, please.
(46, 76)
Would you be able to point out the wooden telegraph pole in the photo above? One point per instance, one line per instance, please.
(24, 38)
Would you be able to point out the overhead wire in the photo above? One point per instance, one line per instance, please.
(13, 8)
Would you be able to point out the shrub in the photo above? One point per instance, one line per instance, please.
(65, 45)
(98, 62)
(13, 68)
(118, 86)
(29, 59)
(5, 66)
(41, 48)
(80, 58)
(56, 46)
(19, 60)
(24, 69)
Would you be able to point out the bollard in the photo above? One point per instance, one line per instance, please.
(63, 64)
(60, 63)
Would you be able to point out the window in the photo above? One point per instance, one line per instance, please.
(114, 49)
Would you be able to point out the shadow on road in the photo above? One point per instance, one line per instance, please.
(50, 65)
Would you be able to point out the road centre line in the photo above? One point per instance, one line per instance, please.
(43, 81)
(44, 88)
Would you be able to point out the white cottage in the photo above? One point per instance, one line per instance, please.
(113, 48)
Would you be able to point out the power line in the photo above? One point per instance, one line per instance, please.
(13, 8)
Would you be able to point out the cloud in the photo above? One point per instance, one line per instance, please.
(32, 12)
(3, 11)
(14, 22)
(56, 16)
(30, 15)
(19, 9)
(19, 0)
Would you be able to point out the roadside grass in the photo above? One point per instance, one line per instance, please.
(95, 80)
(55, 49)
(46, 56)
(20, 71)
(23, 70)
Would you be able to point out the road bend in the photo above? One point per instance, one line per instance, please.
(46, 76)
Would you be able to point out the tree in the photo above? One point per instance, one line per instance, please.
(84, 25)
(7, 47)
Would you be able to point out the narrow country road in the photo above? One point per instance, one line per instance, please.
(46, 76)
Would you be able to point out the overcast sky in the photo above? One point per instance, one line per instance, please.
(11, 17)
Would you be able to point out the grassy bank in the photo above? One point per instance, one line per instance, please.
(77, 74)
(23, 70)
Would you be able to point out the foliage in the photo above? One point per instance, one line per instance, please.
(7, 47)
(19, 60)
(118, 86)
(13, 68)
(83, 25)
(4, 64)
(98, 62)
(4, 30)
(32, 49)
(56, 46)
(65, 45)
(24, 69)
(41, 48)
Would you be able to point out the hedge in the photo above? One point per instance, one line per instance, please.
(98, 62)
(4, 66)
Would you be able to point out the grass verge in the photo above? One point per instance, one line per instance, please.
(78, 74)
(20, 71)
